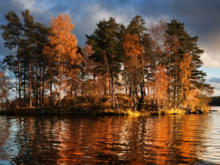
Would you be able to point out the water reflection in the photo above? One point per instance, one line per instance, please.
(110, 140)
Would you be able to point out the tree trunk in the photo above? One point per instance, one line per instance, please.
(42, 96)
(134, 108)
(113, 82)
(104, 85)
(24, 88)
(37, 90)
(141, 100)
(40, 92)
(19, 72)
(50, 89)
(109, 80)
(30, 87)
(158, 105)
(60, 91)
(71, 92)
(59, 82)
(130, 91)
(94, 84)
(82, 83)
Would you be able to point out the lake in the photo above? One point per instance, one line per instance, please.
(170, 139)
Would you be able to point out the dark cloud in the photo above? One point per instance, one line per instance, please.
(215, 80)
(199, 16)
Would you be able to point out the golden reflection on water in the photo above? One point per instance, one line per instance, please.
(175, 139)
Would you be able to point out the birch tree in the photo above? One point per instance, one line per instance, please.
(63, 48)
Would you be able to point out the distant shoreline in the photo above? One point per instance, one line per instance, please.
(109, 112)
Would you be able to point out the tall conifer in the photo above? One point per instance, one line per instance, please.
(105, 43)
(12, 35)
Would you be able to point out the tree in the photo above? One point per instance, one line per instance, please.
(161, 85)
(133, 63)
(106, 46)
(205, 92)
(29, 45)
(185, 74)
(63, 48)
(41, 35)
(4, 87)
(192, 99)
(177, 43)
(12, 35)
(157, 32)
(138, 28)
(88, 67)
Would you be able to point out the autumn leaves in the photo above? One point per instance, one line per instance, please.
(63, 50)
(157, 68)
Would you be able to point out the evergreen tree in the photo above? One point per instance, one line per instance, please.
(41, 35)
(29, 45)
(105, 43)
(178, 42)
(12, 34)
(133, 63)
(138, 28)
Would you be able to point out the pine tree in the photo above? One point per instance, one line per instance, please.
(133, 63)
(137, 27)
(177, 43)
(4, 87)
(29, 45)
(12, 35)
(41, 35)
(106, 46)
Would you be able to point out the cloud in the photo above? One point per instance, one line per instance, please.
(210, 60)
(215, 79)
(214, 82)
(199, 16)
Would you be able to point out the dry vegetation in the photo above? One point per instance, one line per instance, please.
(121, 70)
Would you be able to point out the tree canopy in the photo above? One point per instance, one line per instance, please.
(156, 67)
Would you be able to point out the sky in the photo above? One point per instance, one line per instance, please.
(200, 18)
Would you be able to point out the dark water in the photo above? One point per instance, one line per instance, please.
(179, 139)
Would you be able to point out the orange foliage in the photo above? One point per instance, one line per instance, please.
(185, 72)
(133, 54)
(192, 98)
(161, 85)
(133, 62)
(89, 63)
(63, 49)
(132, 47)
(4, 86)
(63, 42)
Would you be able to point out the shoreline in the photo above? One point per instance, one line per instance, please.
(109, 112)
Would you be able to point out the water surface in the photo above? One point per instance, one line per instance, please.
(174, 139)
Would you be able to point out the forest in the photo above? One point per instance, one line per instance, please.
(215, 101)
(119, 69)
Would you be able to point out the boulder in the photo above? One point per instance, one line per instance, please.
(196, 112)
(200, 111)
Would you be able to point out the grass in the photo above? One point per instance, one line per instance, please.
(175, 111)
(97, 110)
(134, 114)
(137, 113)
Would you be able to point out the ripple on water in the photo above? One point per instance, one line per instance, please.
(172, 139)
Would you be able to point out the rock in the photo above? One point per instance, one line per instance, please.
(196, 112)
(190, 112)
(213, 111)
(201, 112)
